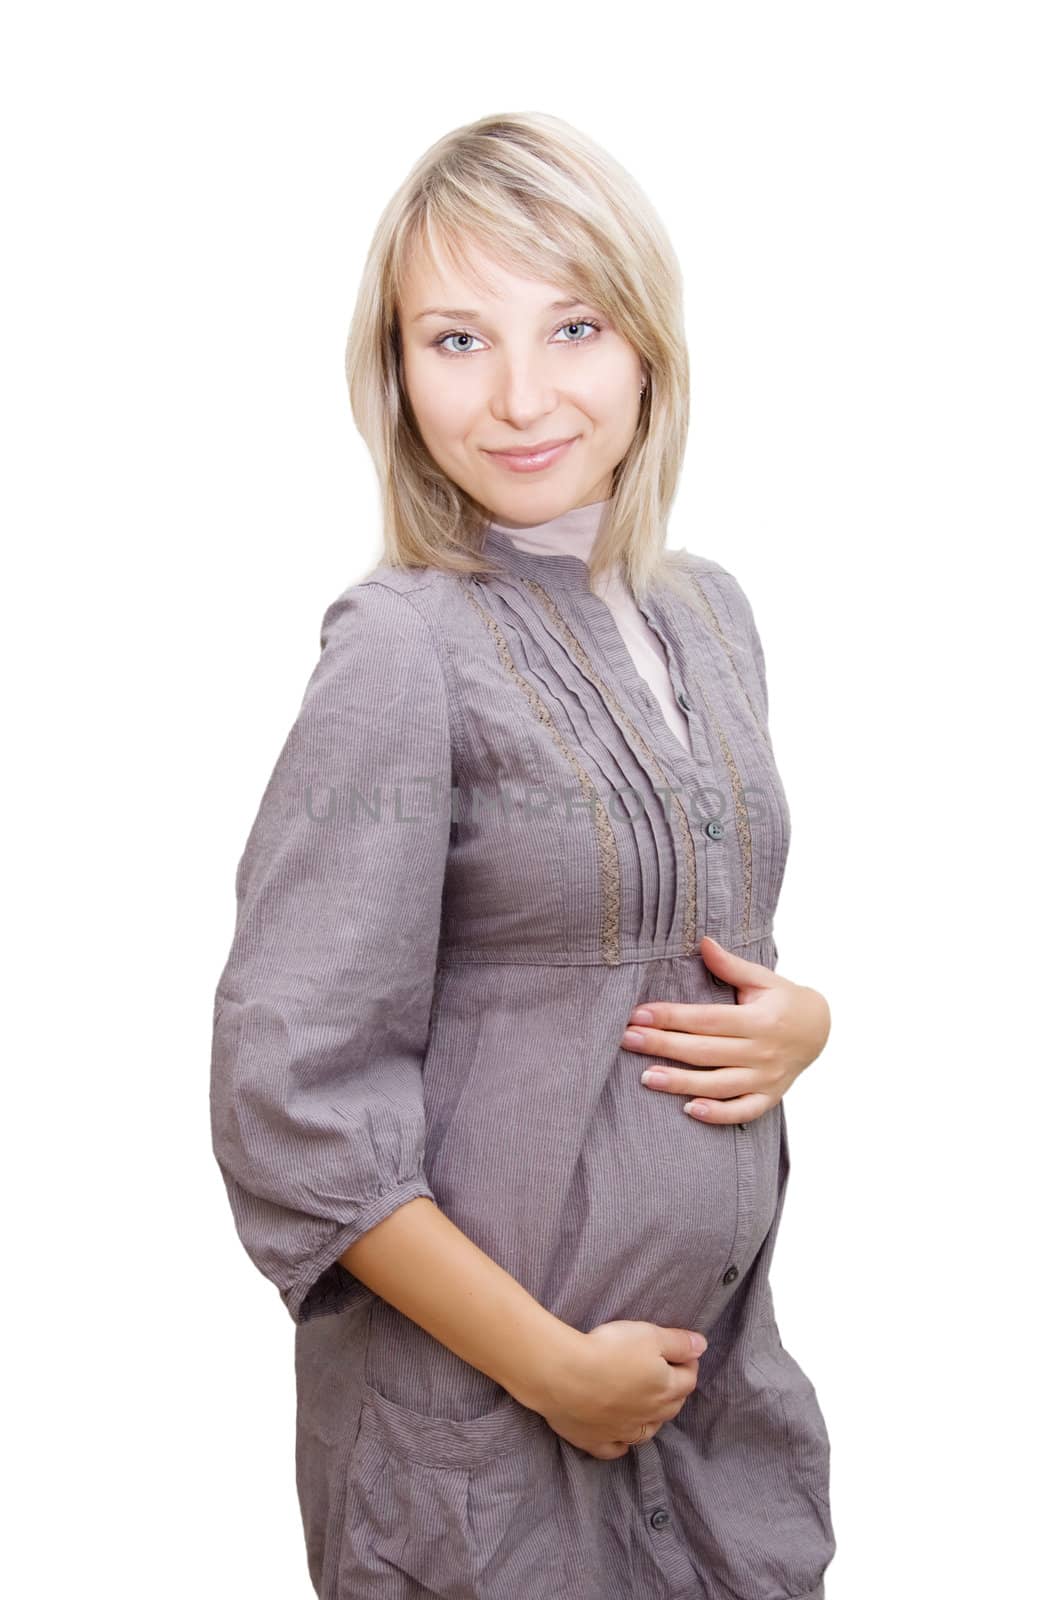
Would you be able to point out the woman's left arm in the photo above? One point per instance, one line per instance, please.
(755, 1049)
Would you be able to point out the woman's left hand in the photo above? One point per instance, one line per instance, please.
(756, 1048)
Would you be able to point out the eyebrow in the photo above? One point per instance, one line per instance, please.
(475, 316)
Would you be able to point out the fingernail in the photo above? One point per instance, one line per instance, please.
(631, 1036)
(698, 1344)
(643, 1014)
(654, 1077)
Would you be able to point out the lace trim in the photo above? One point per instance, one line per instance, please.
(690, 914)
(742, 824)
(703, 602)
(742, 818)
(609, 860)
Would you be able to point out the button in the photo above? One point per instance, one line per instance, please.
(731, 1274)
(684, 699)
(660, 1519)
(713, 830)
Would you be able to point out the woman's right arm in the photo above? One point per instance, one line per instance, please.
(323, 1010)
(323, 1016)
(595, 1389)
(425, 1266)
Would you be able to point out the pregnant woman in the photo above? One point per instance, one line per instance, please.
(525, 840)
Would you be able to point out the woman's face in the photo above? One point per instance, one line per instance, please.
(489, 373)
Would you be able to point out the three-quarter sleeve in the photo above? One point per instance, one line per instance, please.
(323, 1009)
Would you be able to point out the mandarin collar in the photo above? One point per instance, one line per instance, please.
(550, 569)
(550, 565)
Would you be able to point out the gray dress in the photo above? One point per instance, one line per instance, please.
(482, 846)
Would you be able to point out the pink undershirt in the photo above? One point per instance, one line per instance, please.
(573, 533)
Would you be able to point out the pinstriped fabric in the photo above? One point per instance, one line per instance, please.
(607, 843)
(425, 997)
(651, 902)
(658, 881)
(698, 595)
(742, 824)
(580, 655)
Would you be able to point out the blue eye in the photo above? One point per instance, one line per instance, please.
(584, 322)
(445, 336)
(463, 333)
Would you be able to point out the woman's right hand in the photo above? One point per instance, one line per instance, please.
(621, 1376)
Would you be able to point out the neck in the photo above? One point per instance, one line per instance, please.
(572, 532)
(555, 550)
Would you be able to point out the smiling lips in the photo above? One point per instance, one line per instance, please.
(534, 458)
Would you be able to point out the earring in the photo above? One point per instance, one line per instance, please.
(642, 388)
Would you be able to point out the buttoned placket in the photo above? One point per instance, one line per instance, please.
(695, 762)
(666, 1548)
(691, 768)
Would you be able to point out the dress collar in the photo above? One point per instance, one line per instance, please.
(555, 552)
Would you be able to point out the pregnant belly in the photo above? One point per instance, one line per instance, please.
(599, 1195)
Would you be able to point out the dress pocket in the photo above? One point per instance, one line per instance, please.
(441, 1442)
(428, 1501)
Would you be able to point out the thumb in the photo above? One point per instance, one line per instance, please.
(732, 968)
(680, 1344)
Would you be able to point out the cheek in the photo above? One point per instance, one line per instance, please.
(615, 424)
(441, 407)
(608, 393)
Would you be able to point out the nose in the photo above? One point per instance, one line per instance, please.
(524, 392)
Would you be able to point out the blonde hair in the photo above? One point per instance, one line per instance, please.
(540, 196)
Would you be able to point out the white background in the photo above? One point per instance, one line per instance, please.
(866, 201)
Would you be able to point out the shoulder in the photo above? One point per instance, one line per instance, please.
(384, 641)
(390, 605)
(687, 561)
(716, 584)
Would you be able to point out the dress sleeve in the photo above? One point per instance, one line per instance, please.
(323, 1008)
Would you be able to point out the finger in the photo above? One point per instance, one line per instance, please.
(694, 1049)
(747, 1108)
(723, 1020)
(731, 967)
(722, 1084)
